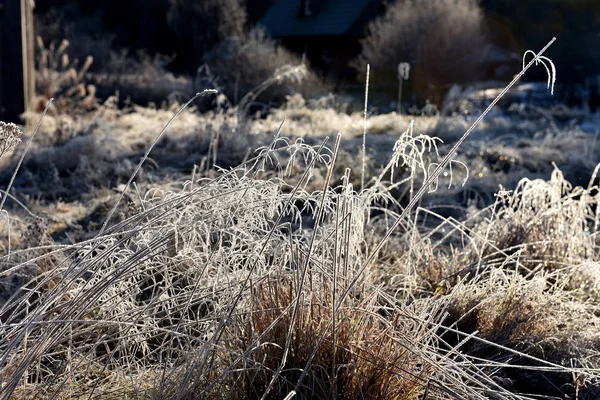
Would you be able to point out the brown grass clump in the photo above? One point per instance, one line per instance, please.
(364, 356)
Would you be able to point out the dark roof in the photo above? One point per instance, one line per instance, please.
(336, 17)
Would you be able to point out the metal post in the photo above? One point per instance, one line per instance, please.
(403, 74)
(399, 104)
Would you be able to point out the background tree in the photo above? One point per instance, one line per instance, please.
(443, 40)
(201, 25)
(258, 68)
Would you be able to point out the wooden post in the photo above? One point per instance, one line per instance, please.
(17, 75)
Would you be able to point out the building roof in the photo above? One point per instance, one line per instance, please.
(335, 17)
(496, 54)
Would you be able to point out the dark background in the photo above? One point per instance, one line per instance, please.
(516, 24)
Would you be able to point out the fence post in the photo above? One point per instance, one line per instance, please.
(17, 75)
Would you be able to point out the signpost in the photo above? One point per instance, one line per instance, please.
(403, 74)
(17, 75)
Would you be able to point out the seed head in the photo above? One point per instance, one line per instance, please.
(9, 137)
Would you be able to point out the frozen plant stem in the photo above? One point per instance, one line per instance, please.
(364, 142)
(306, 267)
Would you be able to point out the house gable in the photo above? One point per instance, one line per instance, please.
(295, 18)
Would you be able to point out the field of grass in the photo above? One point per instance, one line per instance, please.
(256, 258)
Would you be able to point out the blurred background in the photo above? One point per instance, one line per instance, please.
(154, 50)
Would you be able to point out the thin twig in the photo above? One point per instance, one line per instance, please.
(364, 142)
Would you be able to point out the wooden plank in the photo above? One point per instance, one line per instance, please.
(17, 78)
(28, 38)
(2, 58)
